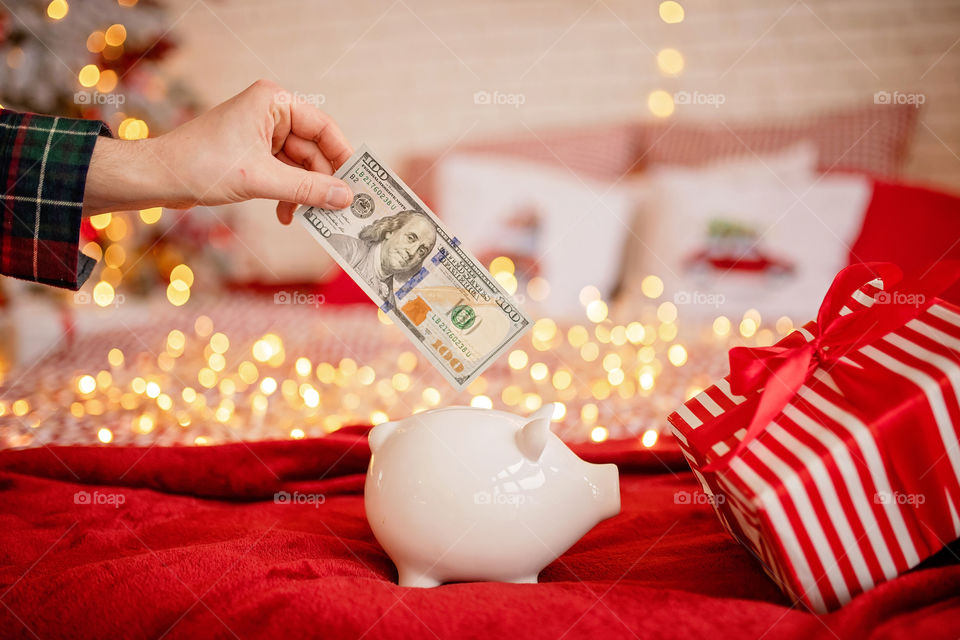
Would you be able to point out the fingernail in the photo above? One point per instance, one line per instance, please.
(339, 196)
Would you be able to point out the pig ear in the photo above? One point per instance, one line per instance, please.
(532, 437)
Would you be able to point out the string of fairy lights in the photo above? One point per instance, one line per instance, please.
(608, 377)
(670, 62)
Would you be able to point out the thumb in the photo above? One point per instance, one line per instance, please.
(293, 184)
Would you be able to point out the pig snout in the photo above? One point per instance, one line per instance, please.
(606, 479)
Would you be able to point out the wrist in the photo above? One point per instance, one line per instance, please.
(132, 174)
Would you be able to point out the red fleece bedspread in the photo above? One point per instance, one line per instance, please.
(199, 548)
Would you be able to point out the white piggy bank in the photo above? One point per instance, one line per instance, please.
(463, 494)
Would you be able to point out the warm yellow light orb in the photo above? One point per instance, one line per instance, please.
(544, 329)
(481, 402)
(599, 434)
(268, 385)
(303, 366)
(651, 286)
(517, 359)
(577, 336)
(20, 407)
(538, 289)
(101, 220)
(784, 325)
(89, 75)
(217, 362)
(431, 396)
(104, 435)
(597, 311)
(103, 293)
(670, 61)
(649, 438)
(219, 343)
(311, 397)
(115, 35)
(96, 42)
(178, 292)
(115, 357)
(588, 294)
(660, 103)
(152, 215)
(721, 326)
(501, 264)
(646, 381)
(677, 355)
(203, 326)
(407, 361)
(612, 361)
(58, 9)
(562, 379)
(590, 351)
(86, 384)
(671, 12)
(183, 273)
(539, 371)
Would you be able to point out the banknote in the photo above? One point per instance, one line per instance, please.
(417, 271)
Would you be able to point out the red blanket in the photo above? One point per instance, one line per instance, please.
(108, 542)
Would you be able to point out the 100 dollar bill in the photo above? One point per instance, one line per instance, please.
(416, 271)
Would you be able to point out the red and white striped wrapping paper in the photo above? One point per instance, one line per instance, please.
(841, 493)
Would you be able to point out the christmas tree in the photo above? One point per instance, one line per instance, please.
(103, 59)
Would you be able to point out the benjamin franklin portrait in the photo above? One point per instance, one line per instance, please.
(390, 250)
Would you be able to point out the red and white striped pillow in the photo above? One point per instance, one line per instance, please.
(872, 139)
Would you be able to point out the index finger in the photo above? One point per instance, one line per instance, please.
(312, 124)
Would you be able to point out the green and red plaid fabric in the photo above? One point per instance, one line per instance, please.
(43, 167)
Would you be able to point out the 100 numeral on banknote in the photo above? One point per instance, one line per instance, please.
(418, 273)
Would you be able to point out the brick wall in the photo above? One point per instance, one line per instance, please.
(402, 75)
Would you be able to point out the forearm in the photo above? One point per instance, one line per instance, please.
(133, 174)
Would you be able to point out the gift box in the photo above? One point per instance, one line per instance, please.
(834, 455)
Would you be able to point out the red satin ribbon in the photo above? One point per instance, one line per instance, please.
(780, 370)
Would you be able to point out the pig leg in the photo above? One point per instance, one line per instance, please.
(413, 578)
(525, 580)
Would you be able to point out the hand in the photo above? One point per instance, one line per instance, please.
(259, 144)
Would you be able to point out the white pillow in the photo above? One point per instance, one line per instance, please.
(573, 229)
(793, 226)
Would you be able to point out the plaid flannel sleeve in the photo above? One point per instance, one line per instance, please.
(43, 166)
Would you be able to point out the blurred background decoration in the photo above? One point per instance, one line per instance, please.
(656, 181)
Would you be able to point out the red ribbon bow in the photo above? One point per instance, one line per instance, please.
(780, 370)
